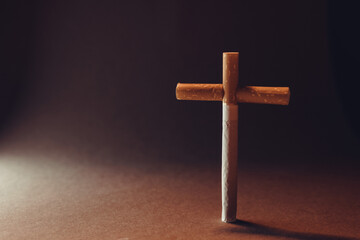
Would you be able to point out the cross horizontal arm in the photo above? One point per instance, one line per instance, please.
(249, 94)
(201, 92)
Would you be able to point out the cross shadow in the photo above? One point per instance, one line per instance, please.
(258, 229)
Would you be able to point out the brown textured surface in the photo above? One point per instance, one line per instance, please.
(202, 92)
(230, 76)
(58, 192)
(263, 95)
(248, 94)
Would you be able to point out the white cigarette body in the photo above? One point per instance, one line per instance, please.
(229, 162)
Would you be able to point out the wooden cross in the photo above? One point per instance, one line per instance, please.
(230, 94)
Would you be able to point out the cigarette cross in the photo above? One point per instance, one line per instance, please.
(230, 94)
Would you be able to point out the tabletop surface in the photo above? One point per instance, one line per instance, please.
(57, 193)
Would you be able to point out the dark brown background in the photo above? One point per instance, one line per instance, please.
(91, 85)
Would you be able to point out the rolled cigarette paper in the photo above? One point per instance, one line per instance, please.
(267, 95)
(229, 137)
(230, 76)
(201, 92)
(250, 94)
(229, 162)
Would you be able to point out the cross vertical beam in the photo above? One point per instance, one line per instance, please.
(229, 137)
